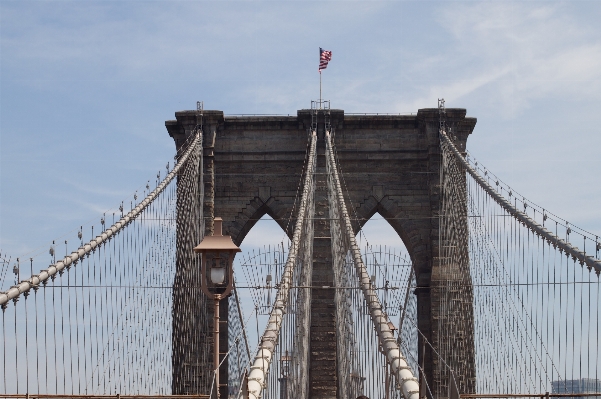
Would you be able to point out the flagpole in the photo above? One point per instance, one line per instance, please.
(319, 89)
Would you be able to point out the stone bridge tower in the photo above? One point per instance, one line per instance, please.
(391, 164)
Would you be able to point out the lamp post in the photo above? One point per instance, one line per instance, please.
(217, 277)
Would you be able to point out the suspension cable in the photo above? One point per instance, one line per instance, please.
(399, 367)
(258, 375)
(523, 217)
(35, 280)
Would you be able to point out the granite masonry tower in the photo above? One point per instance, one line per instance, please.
(252, 165)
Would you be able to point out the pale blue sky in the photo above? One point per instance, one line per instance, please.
(86, 88)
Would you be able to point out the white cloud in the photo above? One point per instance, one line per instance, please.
(528, 51)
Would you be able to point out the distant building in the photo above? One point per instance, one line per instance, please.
(583, 385)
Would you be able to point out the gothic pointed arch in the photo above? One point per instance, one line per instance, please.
(408, 225)
(254, 210)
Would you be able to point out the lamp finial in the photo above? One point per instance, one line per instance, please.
(217, 226)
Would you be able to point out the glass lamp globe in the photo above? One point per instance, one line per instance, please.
(218, 275)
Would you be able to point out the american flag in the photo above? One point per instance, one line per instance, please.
(324, 57)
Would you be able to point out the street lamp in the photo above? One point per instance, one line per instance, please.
(217, 277)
